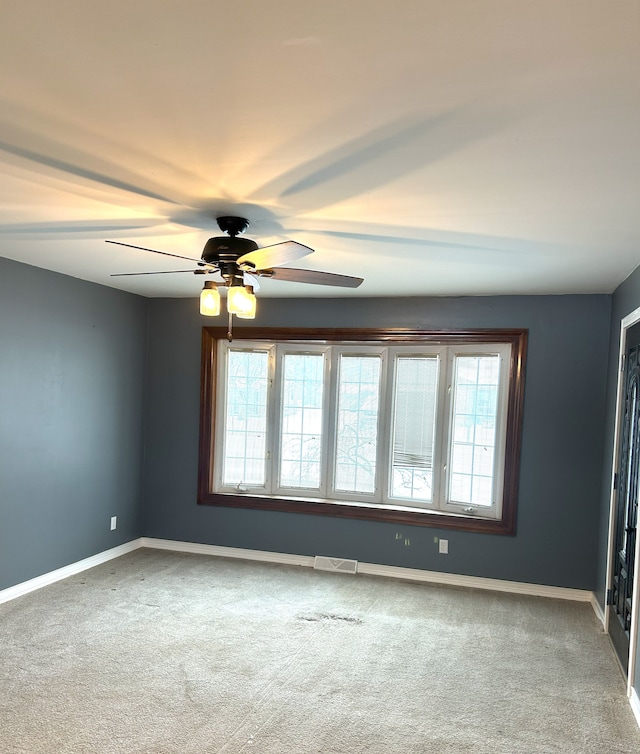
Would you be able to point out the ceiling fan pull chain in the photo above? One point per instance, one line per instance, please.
(229, 333)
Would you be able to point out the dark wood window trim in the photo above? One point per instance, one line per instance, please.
(506, 525)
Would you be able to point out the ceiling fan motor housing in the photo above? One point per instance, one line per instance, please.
(226, 249)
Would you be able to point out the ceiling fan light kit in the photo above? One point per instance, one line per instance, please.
(241, 301)
(210, 300)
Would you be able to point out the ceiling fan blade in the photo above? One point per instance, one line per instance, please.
(159, 272)
(312, 276)
(275, 255)
(164, 253)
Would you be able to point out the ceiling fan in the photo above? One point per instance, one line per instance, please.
(239, 262)
(241, 258)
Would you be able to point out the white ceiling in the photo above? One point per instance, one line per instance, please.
(437, 148)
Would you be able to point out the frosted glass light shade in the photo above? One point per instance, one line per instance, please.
(210, 300)
(241, 301)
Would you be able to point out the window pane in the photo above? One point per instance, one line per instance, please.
(356, 443)
(246, 418)
(301, 439)
(414, 419)
(460, 488)
(475, 399)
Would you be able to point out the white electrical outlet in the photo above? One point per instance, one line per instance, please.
(443, 547)
(114, 522)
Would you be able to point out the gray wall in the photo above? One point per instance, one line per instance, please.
(625, 300)
(71, 397)
(562, 449)
(73, 404)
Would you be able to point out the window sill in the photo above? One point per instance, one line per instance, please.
(360, 510)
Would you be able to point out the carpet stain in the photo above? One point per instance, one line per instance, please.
(329, 618)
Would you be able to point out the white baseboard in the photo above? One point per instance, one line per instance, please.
(597, 609)
(373, 569)
(634, 701)
(70, 570)
(227, 552)
(476, 582)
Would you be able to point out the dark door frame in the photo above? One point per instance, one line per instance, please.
(626, 323)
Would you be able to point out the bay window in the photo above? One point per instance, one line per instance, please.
(414, 427)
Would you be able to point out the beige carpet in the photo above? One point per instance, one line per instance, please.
(160, 653)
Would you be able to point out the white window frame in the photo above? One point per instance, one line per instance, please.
(503, 351)
(220, 427)
(438, 352)
(283, 350)
(388, 356)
